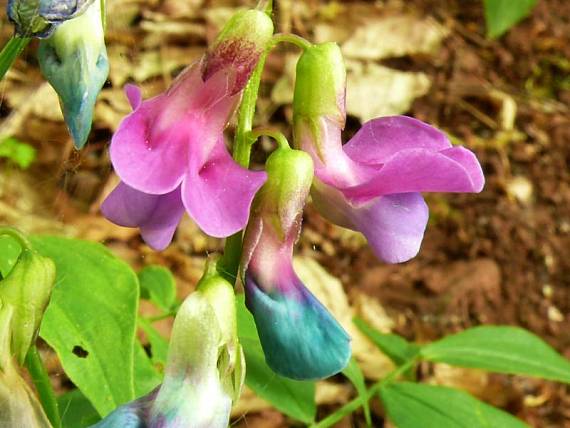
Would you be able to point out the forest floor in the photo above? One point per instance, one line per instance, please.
(498, 257)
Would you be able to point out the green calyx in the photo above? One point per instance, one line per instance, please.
(282, 197)
(252, 25)
(320, 84)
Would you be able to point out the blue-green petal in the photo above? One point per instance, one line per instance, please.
(300, 338)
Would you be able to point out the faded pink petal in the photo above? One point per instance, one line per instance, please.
(217, 192)
(157, 216)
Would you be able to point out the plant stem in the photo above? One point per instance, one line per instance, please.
(268, 132)
(14, 233)
(291, 38)
(43, 386)
(229, 263)
(10, 52)
(353, 405)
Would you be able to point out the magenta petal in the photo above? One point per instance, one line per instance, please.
(218, 193)
(381, 138)
(148, 155)
(157, 216)
(394, 225)
(134, 95)
(421, 170)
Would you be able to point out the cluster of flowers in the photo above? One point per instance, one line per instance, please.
(171, 158)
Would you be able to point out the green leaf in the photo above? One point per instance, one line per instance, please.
(398, 349)
(352, 371)
(146, 375)
(294, 398)
(500, 349)
(9, 252)
(158, 344)
(413, 405)
(501, 15)
(21, 154)
(158, 283)
(10, 52)
(76, 410)
(91, 319)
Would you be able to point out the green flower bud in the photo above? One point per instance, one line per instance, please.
(18, 405)
(239, 46)
(282, 197)
(320, 84)
(27, 288)
(74, 61)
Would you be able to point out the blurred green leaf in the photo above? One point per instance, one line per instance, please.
(9, 252)
(398, 349)
(91, 319)
(294, 398)
(158, 344)
(76, 410)
(413, 405)
(21, 154)
(500, 349)
(146, 375)
(158, 284)
(10, 52)
(501, 15)
(354, 374)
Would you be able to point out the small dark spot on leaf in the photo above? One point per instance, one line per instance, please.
(80, 352)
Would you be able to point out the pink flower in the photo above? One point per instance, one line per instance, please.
(170, 153)
(372, 184)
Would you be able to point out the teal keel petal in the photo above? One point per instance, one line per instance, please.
(300, 338)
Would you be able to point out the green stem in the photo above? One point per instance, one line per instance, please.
(10, 52)
(43, 386)
(268, 132)
(359, 401)
(229, 263)
(14, 233)
(290, 38)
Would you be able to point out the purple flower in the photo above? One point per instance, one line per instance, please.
(372, 184)
(170, 153)
(300, 338)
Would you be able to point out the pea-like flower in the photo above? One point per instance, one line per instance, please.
(205, 368)
(74, 61)
(372, 184)
(39, 18)
(170, 153)
(300, 338)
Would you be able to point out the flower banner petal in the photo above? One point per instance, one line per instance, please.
(421, 170)
(147, 155)
(381, 138)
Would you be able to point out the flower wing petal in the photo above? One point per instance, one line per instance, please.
(394, 225)
(156, 215)
(217, 192)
